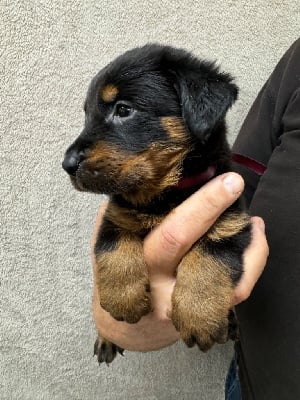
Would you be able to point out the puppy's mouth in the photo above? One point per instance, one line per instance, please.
(108, 182)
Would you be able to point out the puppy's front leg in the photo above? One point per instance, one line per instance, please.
(122, 278)
(206, 278)
(202, 299)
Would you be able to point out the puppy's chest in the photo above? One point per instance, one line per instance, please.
(132, 221)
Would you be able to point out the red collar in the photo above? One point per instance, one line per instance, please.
(201, 178)
(255, 166)
(197, 180)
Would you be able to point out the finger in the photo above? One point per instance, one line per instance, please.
(166, 244)
(255, 258)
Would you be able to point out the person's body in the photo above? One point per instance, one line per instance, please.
(269, 351)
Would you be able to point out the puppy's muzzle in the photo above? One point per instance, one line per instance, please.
(72, 161)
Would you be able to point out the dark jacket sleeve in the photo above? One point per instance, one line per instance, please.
(269, 320)
(262, 129)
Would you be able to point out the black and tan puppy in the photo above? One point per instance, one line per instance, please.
(154, 133)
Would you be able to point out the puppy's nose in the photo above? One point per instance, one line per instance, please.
(72, 161)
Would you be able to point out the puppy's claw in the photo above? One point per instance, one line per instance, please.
(205, 340)
(106, 351)
(203, 331)
(96, 347)
(120, 319)
(191, 341)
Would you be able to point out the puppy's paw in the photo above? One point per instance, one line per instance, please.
(201, 299)
(129, 303)
(106, 351)
(199, 324)
(122, 280)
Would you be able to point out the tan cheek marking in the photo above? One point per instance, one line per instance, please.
(109, 93)
(103, 152)
(156, 168)
(159, 167)
(175, 127)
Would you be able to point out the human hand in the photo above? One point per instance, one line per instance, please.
(163, 249)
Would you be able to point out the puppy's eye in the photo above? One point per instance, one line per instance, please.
(123, 110)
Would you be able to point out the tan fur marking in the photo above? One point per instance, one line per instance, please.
(109, 93)
(123, 279)
(228, 225)
(161, 167)
(201, 299)
(154, 169)
(130, 220)
(175, 127)
(104, 152)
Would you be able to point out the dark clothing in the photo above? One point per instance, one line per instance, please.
(269, 351)
(232, 384)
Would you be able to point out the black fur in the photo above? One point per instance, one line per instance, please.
(159, 81)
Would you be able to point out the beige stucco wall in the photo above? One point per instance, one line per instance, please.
(49, 52)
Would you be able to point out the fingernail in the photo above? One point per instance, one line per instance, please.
(233, 183)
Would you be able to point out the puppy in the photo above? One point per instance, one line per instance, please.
(154, 133)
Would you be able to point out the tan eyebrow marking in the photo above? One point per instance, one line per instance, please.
(174, 127)
(109, 93)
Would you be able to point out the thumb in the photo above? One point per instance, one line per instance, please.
(168, 242)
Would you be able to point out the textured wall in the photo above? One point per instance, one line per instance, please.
(49, 51)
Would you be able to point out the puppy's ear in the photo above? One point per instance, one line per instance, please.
(205, 94)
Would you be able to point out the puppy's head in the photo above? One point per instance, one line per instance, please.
(144, 113)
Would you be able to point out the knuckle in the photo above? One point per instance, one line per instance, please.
(242, 293)
(213, 204)
(172, 242)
